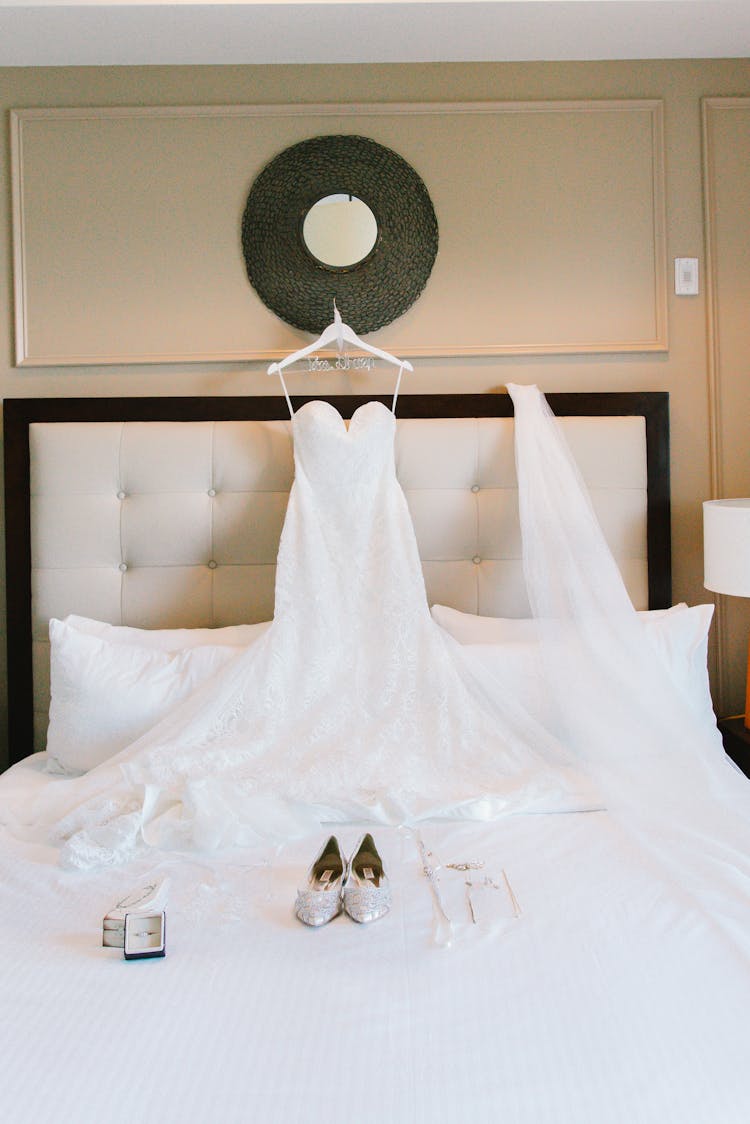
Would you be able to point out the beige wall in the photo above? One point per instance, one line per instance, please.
(683, 370)
(727, 215)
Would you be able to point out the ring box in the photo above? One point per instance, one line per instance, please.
(145, 935)
(148, 898)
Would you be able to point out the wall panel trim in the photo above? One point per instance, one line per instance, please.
(651, 298)
(710, 107)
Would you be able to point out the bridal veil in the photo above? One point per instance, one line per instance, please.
(666, 780)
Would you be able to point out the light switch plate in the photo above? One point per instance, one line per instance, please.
(686, 277)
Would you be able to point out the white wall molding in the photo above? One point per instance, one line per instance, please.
(539, 224)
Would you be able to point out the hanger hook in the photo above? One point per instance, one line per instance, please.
(339, 327)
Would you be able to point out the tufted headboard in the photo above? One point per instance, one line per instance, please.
(163, 512)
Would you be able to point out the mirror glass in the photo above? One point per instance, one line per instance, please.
(340, 231)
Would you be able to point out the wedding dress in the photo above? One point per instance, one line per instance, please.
(353, 706)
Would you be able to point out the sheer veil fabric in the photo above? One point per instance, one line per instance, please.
(355, 705)
(668, 783)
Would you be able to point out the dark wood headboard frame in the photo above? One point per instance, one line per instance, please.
(20, 413)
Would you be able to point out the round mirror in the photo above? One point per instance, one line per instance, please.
(340, 231)
(308, 237)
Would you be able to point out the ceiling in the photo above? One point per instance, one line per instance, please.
(117, 32)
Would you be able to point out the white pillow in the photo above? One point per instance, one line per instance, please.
(518, 668)
(681, 639)
(679, 635)
(468, 628)
(104, 695)
(169, 639)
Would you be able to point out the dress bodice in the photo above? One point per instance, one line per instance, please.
(348, 539)
(336, 458)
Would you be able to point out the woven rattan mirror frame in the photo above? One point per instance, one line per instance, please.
(371, 293)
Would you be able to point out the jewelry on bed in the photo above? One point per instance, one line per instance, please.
(490, 883)
(469, 902)
(512, 896)
(477, 864)
(443, 930)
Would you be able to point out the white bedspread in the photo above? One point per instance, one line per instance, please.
(609, 1000)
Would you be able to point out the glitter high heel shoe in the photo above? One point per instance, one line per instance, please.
(320, 901)
(367, 891)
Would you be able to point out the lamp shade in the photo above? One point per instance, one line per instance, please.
(726, 546)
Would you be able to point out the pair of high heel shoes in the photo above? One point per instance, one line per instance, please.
(359, 886)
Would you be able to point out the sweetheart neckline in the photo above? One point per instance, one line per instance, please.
(339, 415)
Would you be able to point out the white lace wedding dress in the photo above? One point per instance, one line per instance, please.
(354, 705)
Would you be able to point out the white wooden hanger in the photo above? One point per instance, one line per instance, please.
(339, 333)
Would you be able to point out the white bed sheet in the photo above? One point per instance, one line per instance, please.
(608, 1002)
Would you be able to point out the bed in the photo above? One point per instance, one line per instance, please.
(590, 991)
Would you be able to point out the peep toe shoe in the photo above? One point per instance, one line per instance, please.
(367, 891)
(320, 901)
